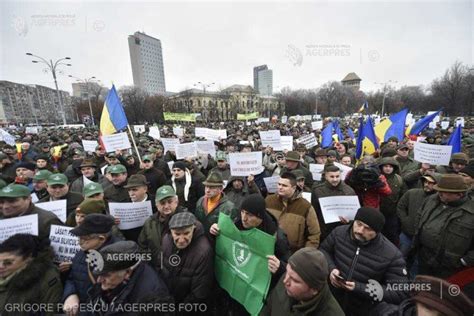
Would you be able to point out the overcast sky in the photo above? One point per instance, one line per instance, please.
(305, 43)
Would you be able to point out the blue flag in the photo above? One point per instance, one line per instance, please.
(326, 136)
(455, 140)
(421, 124)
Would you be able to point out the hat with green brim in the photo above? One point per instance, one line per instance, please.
(116, 169)
(42, 175)
(57, 178)
(92, 188)
(164, 192)
(14, 191)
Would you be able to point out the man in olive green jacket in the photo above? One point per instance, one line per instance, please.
(303, 290)
(17, 202)
(213, 202)
(445, 231)
(156, 226)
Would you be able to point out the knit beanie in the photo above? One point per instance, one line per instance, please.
(179, 165)
(311, 265)
(254, 204)
(371, 217)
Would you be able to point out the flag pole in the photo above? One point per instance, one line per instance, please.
(134, 144)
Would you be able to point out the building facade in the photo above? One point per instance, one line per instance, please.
(147, 63)
(352, 81)
(263, 80)
(224, 105)
(31, 104)
(83, 91)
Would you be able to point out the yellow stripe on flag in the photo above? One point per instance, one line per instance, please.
(381, 129)
(106, 126)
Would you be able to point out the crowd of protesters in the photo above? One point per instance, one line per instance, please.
(408, 251)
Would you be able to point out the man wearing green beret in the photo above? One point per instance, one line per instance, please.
(58, 189)
(16, 202)
(40, 185)
(117, 192)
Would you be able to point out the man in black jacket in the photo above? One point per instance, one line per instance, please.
(364, 266)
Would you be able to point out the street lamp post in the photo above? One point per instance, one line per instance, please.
(384, 84)
(52, 66)
(88, 81)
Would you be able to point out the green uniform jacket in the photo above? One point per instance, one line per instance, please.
(408, 208)
(407, 165)
(45, 220)
(279, 303)
(152, 233)
(225, 206)
(38, 283)
(456, 236)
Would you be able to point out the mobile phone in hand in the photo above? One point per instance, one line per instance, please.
(340, 278)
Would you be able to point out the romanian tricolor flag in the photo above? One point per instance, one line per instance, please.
(364, 106)
(392, 126)
(113, 118)
(367, 143)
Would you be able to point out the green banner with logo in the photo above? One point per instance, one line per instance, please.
(246, 117)
(241, 265)
(185, 117)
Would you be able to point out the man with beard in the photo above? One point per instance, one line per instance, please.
(408, 209)
(359, 255)
(116, 192)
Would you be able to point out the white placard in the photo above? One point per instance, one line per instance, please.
(154, 132)
(186, 150)
(116, 141)
(271, 138)
(286, 143)
(103, 169)
(65, 245)
(316, 116)
(271, 183)
(89, 145)
(178, 131)
(86, 180)
(436, 119)
(34, 198)
(245, 164)
(139, 128)
(18, 225)
(263, 120)
(459, 121)
(344, 170)
(206, 146)
(421, 138)
(169, 144)
(308, 140)
(170, 165)
(284, 119)
(317, 125)
(307, 117)
(444, 124)
(433, 154)
(316, 170)
(306, 196)
(7, 137)
(59, 208)
(131, 215)
(210, 134)
(31, 130)
(334, 206)
(432, 125)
